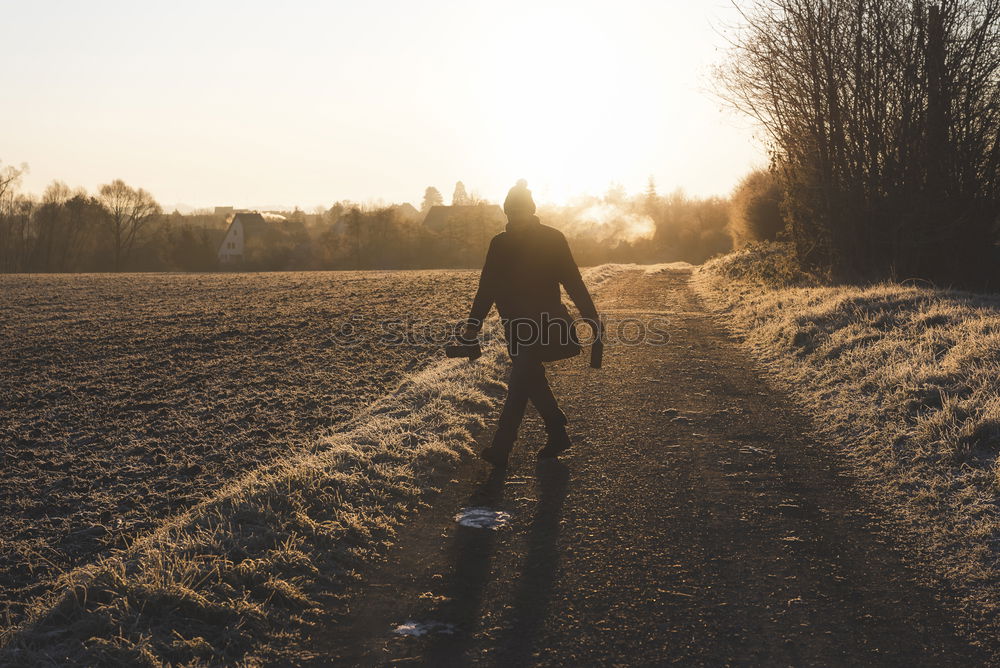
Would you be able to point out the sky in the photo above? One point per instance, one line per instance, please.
(263, 104)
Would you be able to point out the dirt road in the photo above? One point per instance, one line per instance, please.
(694, 522)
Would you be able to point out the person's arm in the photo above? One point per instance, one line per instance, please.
(569, 276)
(577, 290)
(485, 294)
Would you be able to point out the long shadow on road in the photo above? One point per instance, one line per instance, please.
(541, 564)
(472, 559)
(472, 565)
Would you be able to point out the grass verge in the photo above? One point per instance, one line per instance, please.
(906, 381)
(235, 579)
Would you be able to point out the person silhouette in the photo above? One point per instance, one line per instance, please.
(524, 267)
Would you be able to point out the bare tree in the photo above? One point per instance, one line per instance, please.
(16, 234)
(129, 210)
(10, 177)
(475, 199)
(884, 124)
(50, 223)
(15, 218)
(84, 215)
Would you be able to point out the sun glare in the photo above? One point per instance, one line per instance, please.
(573, 96)
(561, 116)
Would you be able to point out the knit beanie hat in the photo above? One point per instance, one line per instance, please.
(519, 202)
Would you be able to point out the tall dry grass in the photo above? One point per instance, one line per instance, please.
(905, 379)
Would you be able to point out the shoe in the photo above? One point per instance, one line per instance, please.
(558, 442)
(495, 455)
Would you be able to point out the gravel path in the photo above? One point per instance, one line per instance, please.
(693, 523)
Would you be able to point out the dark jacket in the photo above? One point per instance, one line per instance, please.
(523, 270)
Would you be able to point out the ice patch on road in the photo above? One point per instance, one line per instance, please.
(418, 629)
(482, 518)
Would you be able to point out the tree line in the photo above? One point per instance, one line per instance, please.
(883, 119)
(70, 230)
(612, 227)
(123, 228)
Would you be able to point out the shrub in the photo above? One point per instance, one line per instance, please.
(767, 263)
(756, 209)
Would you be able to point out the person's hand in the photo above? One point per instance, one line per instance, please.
(596, 354)
(597, 347)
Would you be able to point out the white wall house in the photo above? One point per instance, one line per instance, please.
(233, 246)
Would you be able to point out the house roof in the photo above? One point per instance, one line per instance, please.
(253, 223)
(406, 212)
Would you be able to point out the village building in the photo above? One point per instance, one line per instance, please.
(405, 213)
(251, 239)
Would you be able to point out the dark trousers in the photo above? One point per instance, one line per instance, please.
(527, 382)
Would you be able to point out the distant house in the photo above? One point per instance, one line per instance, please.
(405, 213)
(466, 220)
(224, 211)
(253, 241)
(241, 225)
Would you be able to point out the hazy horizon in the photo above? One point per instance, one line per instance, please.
(255, 105)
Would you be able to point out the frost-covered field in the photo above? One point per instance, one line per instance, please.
(127, 399)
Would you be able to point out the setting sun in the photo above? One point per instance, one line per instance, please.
(568, 111)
